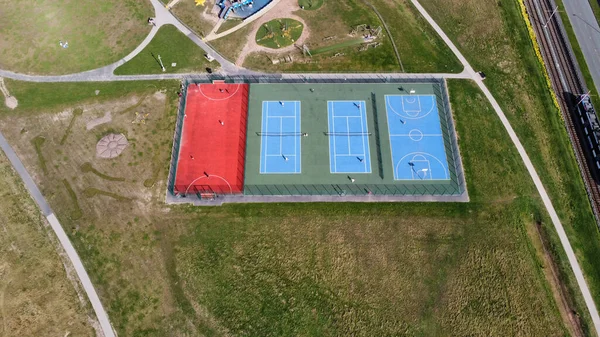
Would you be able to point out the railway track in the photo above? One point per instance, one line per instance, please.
(567, 83)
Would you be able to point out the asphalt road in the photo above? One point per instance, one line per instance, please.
(587, 32)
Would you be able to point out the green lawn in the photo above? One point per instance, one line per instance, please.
(279, 33)
(173, 47)
(310, 5)
(34, 97)
(98, 33)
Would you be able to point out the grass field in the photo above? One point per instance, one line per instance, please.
(420, 48)
(279, 33)
(496, 41)
(98, 33)
(310, 5)
(228, 24)
(173, 47)
(36, 296)
(194, 16)
(231, 46)
(296, 269)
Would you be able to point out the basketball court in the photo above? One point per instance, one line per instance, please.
(416, 139)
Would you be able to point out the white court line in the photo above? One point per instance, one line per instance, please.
(348, 130)
(281, 136)
(388, 106)
(363, 138)
(278, 155)
(219, 99)
(347, 116)
(299, 129)
(266, 140)
(424, 135)
(423, 154)
(406, 110)
(334, 146)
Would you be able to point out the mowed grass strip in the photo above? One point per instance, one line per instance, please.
(173, 47)
(98, 33)
(37, 298)
(494, 38)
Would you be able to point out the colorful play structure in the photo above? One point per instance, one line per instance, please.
(240, 8)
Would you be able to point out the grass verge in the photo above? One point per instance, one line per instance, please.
(37, 298)
(173, 47)
(495, 40)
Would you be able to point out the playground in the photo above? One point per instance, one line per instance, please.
(358, 139)
(279, 33)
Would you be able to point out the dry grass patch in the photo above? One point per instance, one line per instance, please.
(98, 33)
(37, 297)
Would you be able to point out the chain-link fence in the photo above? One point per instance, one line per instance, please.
(454, 186)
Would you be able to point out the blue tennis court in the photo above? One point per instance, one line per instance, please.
(416, 140)
(280, 138)
(348, 137)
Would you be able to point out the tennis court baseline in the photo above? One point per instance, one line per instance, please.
(416, 140)
(280, 148)
(348, 137)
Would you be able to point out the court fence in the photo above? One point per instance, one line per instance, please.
(456, 186)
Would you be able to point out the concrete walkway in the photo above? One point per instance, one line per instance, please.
(62, 237)
(587, 296)
(247, 21)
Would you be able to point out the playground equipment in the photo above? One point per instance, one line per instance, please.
(367, 31)
(228, 6)
(285, 59)
(200, 2)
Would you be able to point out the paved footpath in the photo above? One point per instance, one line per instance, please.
(62, 237)
(564, 240)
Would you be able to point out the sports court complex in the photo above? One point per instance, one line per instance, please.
(261, 140)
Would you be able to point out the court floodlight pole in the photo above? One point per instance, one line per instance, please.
(161, 64)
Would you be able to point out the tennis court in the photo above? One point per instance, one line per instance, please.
(348, 137)
(416, 139)
(280, 150)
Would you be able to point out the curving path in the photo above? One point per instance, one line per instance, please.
(564, 240)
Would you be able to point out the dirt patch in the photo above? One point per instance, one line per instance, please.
(559, 291)
(10, 101)
(99, 121)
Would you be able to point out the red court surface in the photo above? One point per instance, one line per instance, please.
(213, 140)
